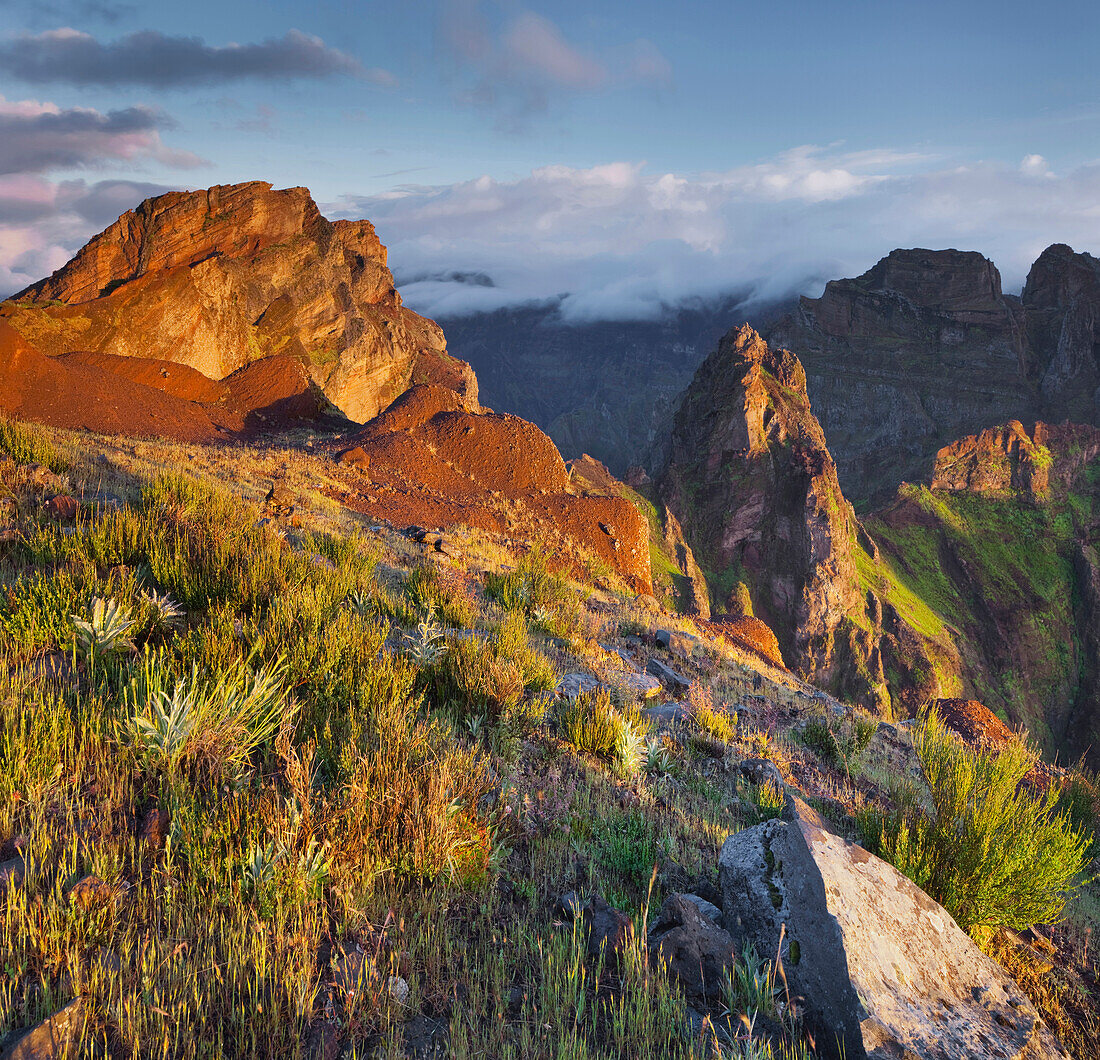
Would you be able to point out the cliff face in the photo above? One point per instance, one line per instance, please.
(607, 387)
(216, 279)
(1061, 300)
(904, 359)
(751, 480)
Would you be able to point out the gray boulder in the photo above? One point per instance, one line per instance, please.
(666, 675)
(572, 685)
(879, 966)
(697, 951)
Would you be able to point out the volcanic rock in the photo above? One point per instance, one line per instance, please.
(881, 969)
(219, 278)
(696, 950)
(435, 463)
(751, 478)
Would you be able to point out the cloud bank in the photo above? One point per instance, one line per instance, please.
(620, 242)
(152, 59)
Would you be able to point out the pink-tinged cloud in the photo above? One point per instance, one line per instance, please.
(36, 137)
(518, 63)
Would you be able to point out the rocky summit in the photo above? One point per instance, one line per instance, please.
(925, 347)
(752, 482)
(220, 278)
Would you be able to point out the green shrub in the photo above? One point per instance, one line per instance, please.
(427, 591)
(629, 845)
(473, 676)
(840, 743)
(985, 847)
(27, 443)
(214, 721)
(531, 586)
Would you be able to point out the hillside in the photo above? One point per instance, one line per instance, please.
(409, 738)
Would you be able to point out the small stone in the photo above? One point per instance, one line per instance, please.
(10, 536)
(89, 891)
(323, 562)
(708, 909)
(572, 685)
(63, 508)
(569, 906)
(680, 643)
(609, 931)
(760, 771)
(677, 682)
(154, 827)
(668, 712)
(11, 874)
(398, 989)
(644, 686)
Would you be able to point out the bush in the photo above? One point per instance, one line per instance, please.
(427, 590)
(411, 806)
(473, 677)
(841, 744)
(716, 723)
(531, 586)
(987, 849)
(591, 724)
(27, 443)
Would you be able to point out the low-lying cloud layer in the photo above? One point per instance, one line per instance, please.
(156, 60)
(619, 242)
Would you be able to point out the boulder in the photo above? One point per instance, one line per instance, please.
(572, 685)
(697, 951)
(53, 1037)
(63, 509)
(607, 930)
(666, 675)
(877, 967)
(761, 771)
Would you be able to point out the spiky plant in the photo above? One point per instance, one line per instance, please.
(166, 614)
(426, 645)
(162, 734)
(105, 630)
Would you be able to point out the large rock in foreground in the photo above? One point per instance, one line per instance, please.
(881, 968)
(219, 278)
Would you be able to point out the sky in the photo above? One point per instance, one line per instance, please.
(615, 157)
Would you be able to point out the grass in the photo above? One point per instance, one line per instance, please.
(355, 757)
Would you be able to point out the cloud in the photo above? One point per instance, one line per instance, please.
(35, 137)
(158, 61)
(620, 242)
(66, 10)
(517, 63)
(42, 222)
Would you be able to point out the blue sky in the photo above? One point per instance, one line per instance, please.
(626, 155)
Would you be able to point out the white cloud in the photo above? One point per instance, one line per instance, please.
(619, 241)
